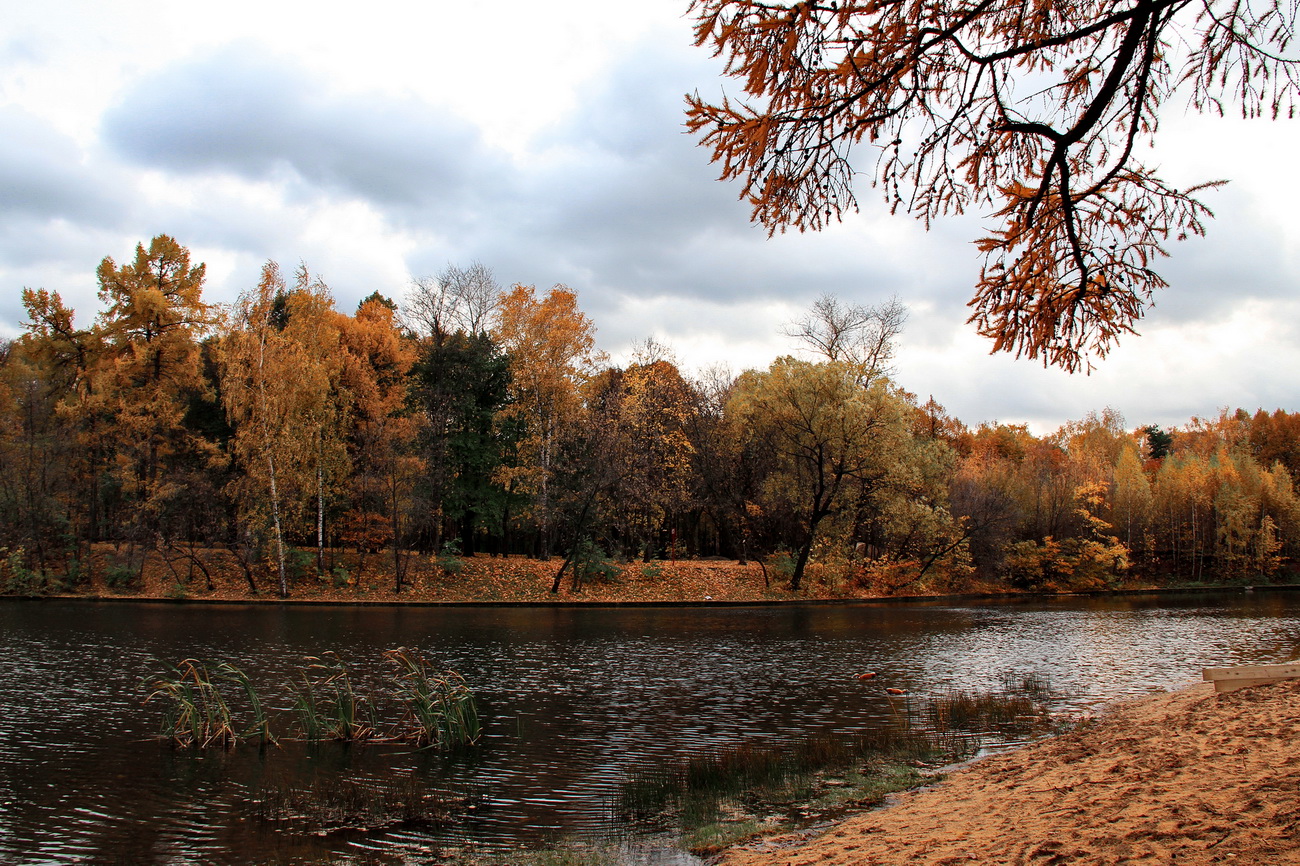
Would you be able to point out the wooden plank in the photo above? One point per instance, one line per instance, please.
(1244, 676)
(1222, 686)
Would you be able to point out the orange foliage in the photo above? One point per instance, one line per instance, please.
(935, 88)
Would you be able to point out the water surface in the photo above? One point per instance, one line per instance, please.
(577, 698)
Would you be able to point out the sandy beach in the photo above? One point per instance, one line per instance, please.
(1188, 777)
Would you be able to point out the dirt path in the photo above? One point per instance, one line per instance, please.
(1190, 777)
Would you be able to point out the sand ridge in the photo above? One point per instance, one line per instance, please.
(1189, 777)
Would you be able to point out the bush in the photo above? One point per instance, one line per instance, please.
(449, 560)
(1071, 563)
(591, 564)
(340, 577)
(781, 564)
(21, 580)
(297, 562)
(118, 576)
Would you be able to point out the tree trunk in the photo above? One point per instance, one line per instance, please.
(320, 520)
(275, 517)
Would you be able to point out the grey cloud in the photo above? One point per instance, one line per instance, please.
(629, 205)
(42, 175)
(242, 112)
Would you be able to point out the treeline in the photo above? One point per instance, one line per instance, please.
(478, 420)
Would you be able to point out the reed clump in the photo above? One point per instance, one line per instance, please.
(422, 705)
(1018, 709)
(440, 709)
(328, 706)
(196, 707)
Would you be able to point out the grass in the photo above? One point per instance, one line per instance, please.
(351, 804)
(777, 780)
(427, 707)
(196, 713)
(721, 797)
(328, 706)
(440, 709)
(559, 854)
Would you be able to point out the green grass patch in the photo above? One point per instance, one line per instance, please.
(726, 795)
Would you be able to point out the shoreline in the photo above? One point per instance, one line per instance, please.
(1188, 776)
(565, 600)
(214, 575)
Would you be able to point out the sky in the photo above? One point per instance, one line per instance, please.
(380, 142)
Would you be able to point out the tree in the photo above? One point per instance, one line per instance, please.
(458, 387)
(860, 335)
(375, 373)
(551, 344)
(70, 358)
(1131, 500)
(1034, 110)
(148, 374)
(646, 409)
(458, 299)
(831, 437)
(308, 320)
(1158, 442)
(276, 394)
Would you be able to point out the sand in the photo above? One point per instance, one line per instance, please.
(1188, 777)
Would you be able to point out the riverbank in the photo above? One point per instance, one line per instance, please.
(1190, 777)
(217, 574)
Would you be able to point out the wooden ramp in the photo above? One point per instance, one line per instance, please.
(1231, 679)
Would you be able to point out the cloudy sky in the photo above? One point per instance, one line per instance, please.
(545, 140)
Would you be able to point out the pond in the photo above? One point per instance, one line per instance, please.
(576, 699)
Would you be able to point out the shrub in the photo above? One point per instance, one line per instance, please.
(781, 565)
(25, 581)
(119, 577)
(340, 577)
(1071, 563)
(449, 560)
(297, 562)
(591, 564)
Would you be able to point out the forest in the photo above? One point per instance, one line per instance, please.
(480, 421)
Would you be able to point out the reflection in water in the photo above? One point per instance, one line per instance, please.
(576, 699)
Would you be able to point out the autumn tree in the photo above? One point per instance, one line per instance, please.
(307, 318)
(729, 465)
(37, 465)
(551, 344)
(381, 434)
(64, 361)
(148, 373)
(984, 491)
(1275, 438)
(830, 435)
(276, 395)
(1131, 501)
(647, 408)
(1034, 111)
